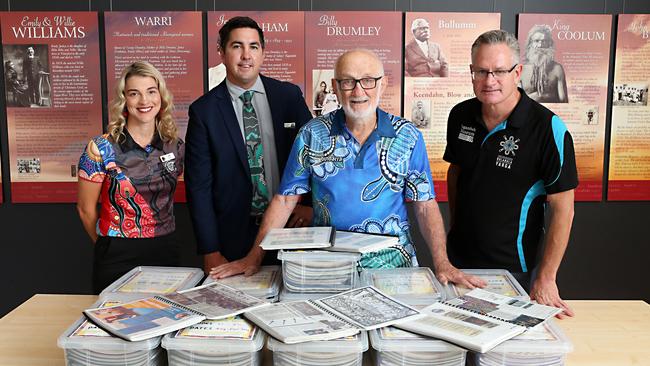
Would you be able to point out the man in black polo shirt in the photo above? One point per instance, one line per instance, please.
(510, 158)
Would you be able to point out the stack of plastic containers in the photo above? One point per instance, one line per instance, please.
(545, 345)
(232, 341)
(398, 347)
(319, 272)
(264, 284)
(498, 281)
(84, 343)
(414, 286)
(340, 352)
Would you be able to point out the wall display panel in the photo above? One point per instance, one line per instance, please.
(566, 65)
(53, 100)
(629, 154)
(172, 42)
(437, 80)
(329, 34)
(284, 35)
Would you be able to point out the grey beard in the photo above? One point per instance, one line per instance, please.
(540, 58)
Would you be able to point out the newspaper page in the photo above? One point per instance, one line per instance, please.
(230, 328)
(154, 282)
(497, 283)
(300, 321)
(361, 242)
(515, 311)
(256, 283)
(88, 329)
(468, 329)
(369, 308)
(216, 300)
(416, 283)
(298, 238)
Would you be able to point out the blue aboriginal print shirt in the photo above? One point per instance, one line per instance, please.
(361, 188)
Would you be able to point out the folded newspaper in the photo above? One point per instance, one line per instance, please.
(361, 242)
(298, 238)
(157, 315)
(480, 320)
(332, 317)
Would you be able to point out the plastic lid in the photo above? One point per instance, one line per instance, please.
(354, 344)
(155, 280)
(548, 338)
(264, 284)
(288, 296)
(499, 281)
(317, 256)
(415, 285)
(83, 334)
(391, 339)
(232, 335)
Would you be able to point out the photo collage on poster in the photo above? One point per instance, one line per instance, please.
(54, 100)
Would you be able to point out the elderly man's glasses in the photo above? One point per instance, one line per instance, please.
(497, 74)
(350, 84)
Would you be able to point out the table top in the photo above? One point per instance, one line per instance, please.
(609, 332)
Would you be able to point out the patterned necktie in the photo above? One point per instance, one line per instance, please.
(255, 153)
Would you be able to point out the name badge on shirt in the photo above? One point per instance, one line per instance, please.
(290, 125)
(168, 162)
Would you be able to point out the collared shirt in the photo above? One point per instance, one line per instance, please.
(265, 120)
(505, 175)
(138, 184)
(357, 187)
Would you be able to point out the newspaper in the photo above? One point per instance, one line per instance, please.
(229, 328)
(361, 242)
(480, 320)
(298, 238)
(154, 282)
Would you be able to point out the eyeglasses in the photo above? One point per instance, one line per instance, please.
(497, 74)
(350, 84)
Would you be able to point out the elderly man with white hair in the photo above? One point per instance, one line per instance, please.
(423, 58)
(362, 167)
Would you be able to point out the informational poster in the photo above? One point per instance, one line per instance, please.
(172, 41)
(629, 154)
(330, 34)
(284, 39)
(566, 65)
(53, 98)
(438, 79)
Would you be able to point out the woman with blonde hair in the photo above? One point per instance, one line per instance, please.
(133, 168)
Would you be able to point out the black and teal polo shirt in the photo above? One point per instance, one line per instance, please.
(505, 176)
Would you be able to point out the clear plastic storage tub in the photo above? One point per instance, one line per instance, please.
(547, 345)
(412, 286)
(143, 281)
(83, 343)
(346, 351)
(318, 271)
(394, 346)
(232, 341)
(499, 281)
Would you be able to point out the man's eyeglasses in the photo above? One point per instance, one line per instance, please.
(366, 83)
(497, 74)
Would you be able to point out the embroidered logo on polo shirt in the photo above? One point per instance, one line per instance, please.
(504, 162)
(466, 133)
(509, 145)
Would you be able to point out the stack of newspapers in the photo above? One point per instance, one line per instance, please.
(545, 345)
(394, 346)
(144, 281)
(346, 351)
(264, 284)
(499, 281)
(414, 286)
(83, 343)
(231, 341)
(318, 271)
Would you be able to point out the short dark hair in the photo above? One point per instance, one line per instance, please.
(235, 23)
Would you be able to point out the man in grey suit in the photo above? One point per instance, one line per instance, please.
(423, 58)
